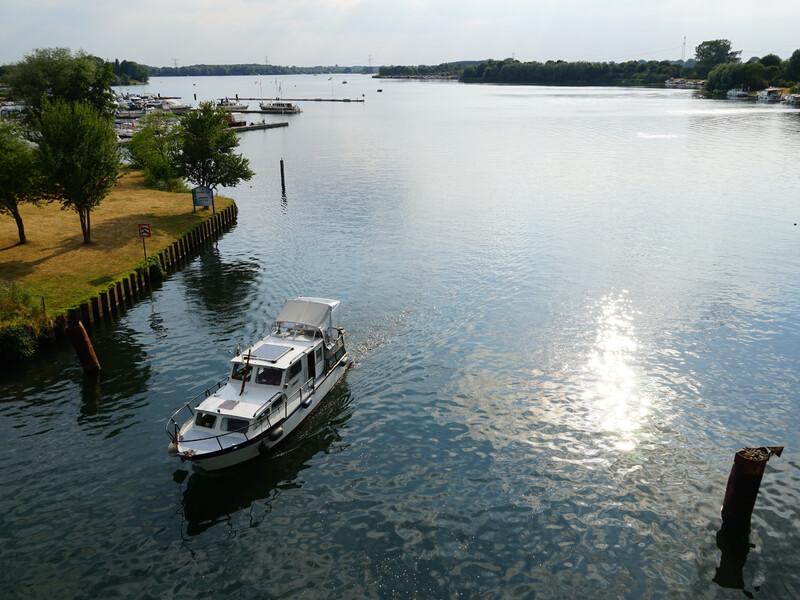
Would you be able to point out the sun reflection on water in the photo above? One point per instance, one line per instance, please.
(614, 396)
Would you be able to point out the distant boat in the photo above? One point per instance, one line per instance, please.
(738, 94)
(231, 105)
(380, 89)
(792, 99)
(276, 107)
(771, 94)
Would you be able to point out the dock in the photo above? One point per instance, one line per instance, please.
(254, 126)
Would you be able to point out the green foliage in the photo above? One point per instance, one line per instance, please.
(19, 176)
(771, 60)
(712, 53)
(153, 148)
(724, 77)
(21, 321)
(55, 73)
(127, 71)
(205, 147)
(78, 156)
(791, 67)
(573, 73)
(441, 71)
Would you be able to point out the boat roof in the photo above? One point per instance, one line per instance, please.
(313, 312)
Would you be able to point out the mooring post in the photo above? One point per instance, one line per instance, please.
(283, 180)
(743, 483)
(80, 341)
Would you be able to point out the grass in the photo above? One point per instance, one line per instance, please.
(56, 264)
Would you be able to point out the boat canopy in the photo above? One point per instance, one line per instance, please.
(314, 312)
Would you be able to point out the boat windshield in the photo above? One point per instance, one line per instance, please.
(238, 371)
(269, 376)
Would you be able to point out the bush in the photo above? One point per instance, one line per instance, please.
(16, 342)
(22, 320)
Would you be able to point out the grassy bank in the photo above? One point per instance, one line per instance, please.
(55, 263)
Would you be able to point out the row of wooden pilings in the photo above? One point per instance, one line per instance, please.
(122, 295)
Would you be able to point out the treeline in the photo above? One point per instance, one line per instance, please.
(754, 75)
(249, 69)
(561, 72)
(443, 70)
(128, 72)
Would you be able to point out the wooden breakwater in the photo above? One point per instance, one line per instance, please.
(123, 294)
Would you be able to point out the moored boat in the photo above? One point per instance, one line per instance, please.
(278, 107)
(738, 94)
(771, 94)
(231, 105)
(272, 387)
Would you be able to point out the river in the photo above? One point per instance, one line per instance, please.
(568, 309)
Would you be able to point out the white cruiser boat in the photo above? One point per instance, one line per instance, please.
(231, 105)
(272, 387)
(276, 107)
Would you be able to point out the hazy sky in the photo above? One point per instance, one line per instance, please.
(409, 32)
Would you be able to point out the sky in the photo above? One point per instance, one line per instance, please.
(307, 33)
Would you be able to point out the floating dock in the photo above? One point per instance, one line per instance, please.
(253, 126)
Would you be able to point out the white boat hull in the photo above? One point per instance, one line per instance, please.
(267, 439)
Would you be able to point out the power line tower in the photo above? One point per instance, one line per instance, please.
(683, 50)
(175, 62)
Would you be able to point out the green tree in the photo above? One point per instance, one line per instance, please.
(791, 68)
(712, 53)
(205, 149)
(55, 73)
(771, 60)
(78, 156)
(153, 148)
(19, 178)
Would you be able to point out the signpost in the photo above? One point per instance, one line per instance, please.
(144, 232)
(203, 196)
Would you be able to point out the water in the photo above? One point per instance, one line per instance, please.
(568, 309)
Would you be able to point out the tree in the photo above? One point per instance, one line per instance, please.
(205, 149)
(791, 68)
(78, 156)
(19, 179)
(55, 73)
(153, 148)
(771, 60)
(712, 53)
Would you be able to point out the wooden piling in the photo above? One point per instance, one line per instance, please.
(743, 484)
(83, 346)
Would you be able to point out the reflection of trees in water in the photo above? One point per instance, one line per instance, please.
(219, 286)
(212, 498)
(121, 387)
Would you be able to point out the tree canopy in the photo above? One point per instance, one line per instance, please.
(78, 156)
(19, 177)
(712, 53)
(153, 147)
(204, 153)
(56, 73)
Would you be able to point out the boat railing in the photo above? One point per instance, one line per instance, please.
(173, 435)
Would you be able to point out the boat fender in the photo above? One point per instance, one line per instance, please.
(307, 402)
(263, 449)
(275, 434)
(172, 449)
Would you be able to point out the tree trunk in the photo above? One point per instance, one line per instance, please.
(84, 216)
(20, 226)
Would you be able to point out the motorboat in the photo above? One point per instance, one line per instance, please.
(738, 94)
(231, 105)
(271, 388)
(771, 94)
(278, 107)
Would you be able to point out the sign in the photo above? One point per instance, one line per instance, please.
(144, 230)
(203, 196)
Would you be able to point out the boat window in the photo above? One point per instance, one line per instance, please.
(230, 424)
(269, 376)
(318, 355)
(238, 370)
(295, 369)
(205, 420)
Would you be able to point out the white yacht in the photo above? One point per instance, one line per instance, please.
(272, 387)
(277, 107)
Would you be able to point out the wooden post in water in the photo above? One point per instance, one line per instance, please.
(743, 483)
(80, 341)
(283, 180)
